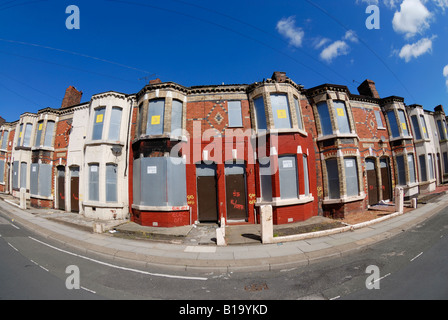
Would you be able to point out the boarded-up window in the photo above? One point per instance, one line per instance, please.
(423, 174)
(235, 116)
(280, 111)
(40, 129)
(305, 175)
(431, 166)
(176, 118)
(401, 170)
(20, 137)
(2, 171)
(156, 113)
(351, 176)
(98, 124)
(23, 173)
(424, 127)
(411, 166)
(111, 183)
(298, 113)
(393, 125)
(27, 135)
(333, 179)
(289, 188)
(418, 134)
(265, 179)
(342, 117)
(15, 174)
(34, 179)
(5, 140)
(379, 120)
(442, 131)
(260, 114)
(160, 182)
(403, 123)
(115, 124)
(94, 182)
(445, 162)
(324, 117)
(49, 131)
(44, 177)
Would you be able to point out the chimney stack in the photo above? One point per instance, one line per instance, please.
(279, 76)
(368, 88)
(72, 97)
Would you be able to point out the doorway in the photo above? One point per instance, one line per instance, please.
(207, 193)
(74, 189)
(236, 200)
(61, 188)
(386, 179)
(372, 182)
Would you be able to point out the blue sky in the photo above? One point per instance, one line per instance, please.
(198, 42)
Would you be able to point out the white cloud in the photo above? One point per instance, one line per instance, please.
(390, 3)
(445, 71)
(412, 18)
(445, 74)
(415, 50)
(350, 35)
(286, 27)
(443, 4)
(337, 48)
(320, 42)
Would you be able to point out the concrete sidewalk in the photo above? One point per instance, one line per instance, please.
(192, 248)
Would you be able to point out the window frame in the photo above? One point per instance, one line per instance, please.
(98, 126)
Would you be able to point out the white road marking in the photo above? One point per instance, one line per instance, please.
(44, 268)
(416, 256)
(91, 291)
(118, 267)
(15, 226)
(13, 247)
(334, 298)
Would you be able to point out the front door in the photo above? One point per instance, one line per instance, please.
(372, 182)
(207, 195)
(386, 179)
(61, 188)
(74, 189)
(236, 192)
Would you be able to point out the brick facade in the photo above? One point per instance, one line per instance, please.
(307, 152)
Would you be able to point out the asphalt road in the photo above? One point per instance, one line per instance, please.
(412, 265)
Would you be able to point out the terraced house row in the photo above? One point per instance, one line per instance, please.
(171, 155)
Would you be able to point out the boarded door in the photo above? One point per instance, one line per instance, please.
(74, 189)
(207, 195)
(61, 188)
(372, 183)
(236, 192)
(386, 179)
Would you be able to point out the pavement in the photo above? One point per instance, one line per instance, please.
(193, 248)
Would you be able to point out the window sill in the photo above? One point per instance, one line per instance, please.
(277, 202)
(279, 131)
(401, 138)
(161, 136)
(43, 148)
(103, 204)
(103, 142)
(345, 199)
(337, 136)
(35, 196)
(160, 208)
